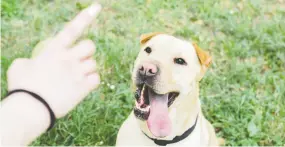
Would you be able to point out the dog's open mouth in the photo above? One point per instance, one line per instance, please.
(153, 108)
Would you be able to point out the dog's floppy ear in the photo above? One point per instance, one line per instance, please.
(204, 58)
(146, 37)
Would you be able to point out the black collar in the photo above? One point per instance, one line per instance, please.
(176, 138)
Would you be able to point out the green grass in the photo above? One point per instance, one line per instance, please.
(243, 93)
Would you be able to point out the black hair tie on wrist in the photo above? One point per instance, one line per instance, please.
(52, 116)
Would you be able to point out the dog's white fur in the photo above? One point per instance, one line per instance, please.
(173, 77)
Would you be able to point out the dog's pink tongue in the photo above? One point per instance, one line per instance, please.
(158, 121)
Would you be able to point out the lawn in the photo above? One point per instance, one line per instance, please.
(242, 95)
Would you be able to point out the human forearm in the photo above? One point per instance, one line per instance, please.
(23, 118)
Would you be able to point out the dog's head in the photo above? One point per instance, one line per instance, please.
(164, 72)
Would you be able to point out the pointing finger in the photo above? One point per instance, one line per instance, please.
(74, 29)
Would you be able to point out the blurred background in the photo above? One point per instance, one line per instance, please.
(242, 94)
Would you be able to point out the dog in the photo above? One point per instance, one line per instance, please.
(167, 109)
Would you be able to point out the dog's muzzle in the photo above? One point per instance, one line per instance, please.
(145, 81)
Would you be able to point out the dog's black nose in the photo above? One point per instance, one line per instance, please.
(148, 69)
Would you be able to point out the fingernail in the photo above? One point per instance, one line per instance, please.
(94, 9)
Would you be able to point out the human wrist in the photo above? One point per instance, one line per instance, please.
(25, 114)
(44, 91)
(40, 99)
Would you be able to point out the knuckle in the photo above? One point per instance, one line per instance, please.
(91, 63)
(90, 44)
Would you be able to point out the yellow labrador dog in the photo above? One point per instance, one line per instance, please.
(167, 109)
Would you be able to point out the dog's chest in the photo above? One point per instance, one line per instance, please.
(194, 139)
(199, 137)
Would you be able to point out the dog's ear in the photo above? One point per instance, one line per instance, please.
(204, 58)
(146, 37)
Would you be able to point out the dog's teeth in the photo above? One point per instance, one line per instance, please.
(137, 105)
(141, 100)
(143, 87)
(142, 91)
(146, 109)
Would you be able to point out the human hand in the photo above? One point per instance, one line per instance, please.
(62, 75)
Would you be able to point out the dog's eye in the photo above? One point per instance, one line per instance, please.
(180, 61)
(148, 50)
